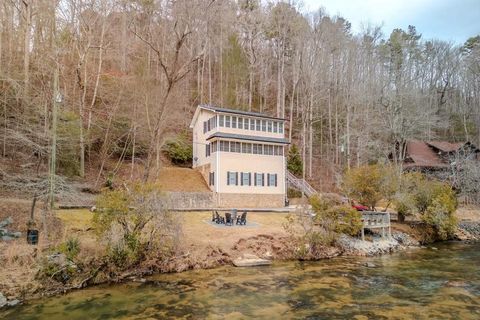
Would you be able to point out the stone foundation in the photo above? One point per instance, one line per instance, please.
(248, 200)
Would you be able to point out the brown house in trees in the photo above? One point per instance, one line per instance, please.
(437, 156)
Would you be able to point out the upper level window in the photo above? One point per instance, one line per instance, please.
(268, 150)
(258, 125)
(269, 126)
(275, 127)
(222, 120)
(240, 123)
(252, 124)
(227, 121)
(234, 146)
(264, 126)
(234, 122)
(280, 127)
(204, 126)
(246, 148)
(224, 145)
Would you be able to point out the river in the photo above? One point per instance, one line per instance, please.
(428, 283)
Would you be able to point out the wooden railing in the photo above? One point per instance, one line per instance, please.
(300, 184)
(376, 220)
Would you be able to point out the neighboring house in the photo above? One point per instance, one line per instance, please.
(241, 156)
(438, 156)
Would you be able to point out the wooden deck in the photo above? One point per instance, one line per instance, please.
(376, 220)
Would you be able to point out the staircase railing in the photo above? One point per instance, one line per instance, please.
(300, 184)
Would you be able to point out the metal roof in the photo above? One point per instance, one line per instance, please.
(422, 155)
(235, 111)
(247, 137)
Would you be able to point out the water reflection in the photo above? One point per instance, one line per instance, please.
(416, 284)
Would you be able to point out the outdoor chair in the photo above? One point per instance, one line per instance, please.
(228, 219)
(219, 219)
(242, 219)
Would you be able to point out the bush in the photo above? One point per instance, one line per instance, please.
(135, 221)
(71, 248)
(440, 213)
(294, 161)
(293, 193)
(179, 150)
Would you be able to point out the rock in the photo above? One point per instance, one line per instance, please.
(13, 303)
(6, 222)
(433, 248)
(250, 260)
(370, 265)
(3, 300)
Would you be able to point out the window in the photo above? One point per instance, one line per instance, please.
(246, 181)
(259, 125)
(278, 150)
(268, 150)
(257, 149)
(269, 126)
(232, 178)
(272, 179)
(207, 150)
(222, 120)
(240, 123)
(224, 145)
(252, 124)
(234, 122)
(275, 127)
(227, 121)
(264, 125)
(211, 178)
(234, 146)
(280, 127)
(259, 179)
(204, 126)
(246, 148)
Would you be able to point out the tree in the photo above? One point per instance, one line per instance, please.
(294, 161)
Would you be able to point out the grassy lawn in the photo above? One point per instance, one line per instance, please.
(197, 231)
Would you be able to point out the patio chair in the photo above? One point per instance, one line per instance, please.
(228, 219)
(242, 219)
(218, 218)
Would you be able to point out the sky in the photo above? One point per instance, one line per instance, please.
(449, 20)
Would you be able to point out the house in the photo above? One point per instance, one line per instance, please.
(241, 156)
(437, 156)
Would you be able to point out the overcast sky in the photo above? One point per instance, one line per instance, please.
(450, 20)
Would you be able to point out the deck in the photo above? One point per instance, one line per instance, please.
(376, 220)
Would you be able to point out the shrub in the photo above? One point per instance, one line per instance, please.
(294, 161)
(293, 193)
(371, 183)
(440, 213)
(71, 248)
(179, 150)
(135, 220)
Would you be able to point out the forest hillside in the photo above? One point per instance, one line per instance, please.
(93, 90)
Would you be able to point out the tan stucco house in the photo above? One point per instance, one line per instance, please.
(241, 156)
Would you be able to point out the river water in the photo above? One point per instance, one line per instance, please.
(429, 283)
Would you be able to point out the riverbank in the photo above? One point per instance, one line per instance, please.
(432, 283)
(204, 246)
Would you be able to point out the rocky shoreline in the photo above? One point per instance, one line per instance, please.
(346, 246)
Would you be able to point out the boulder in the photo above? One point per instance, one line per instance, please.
(6, 222)
(250, 260)
(13, 303)
(3, 300)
